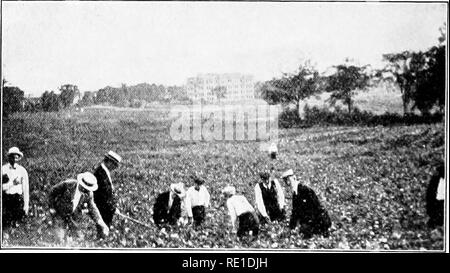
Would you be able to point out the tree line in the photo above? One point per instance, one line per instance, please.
(420, 77)
(69, 95)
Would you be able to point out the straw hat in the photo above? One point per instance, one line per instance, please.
(178, 189)
(229, 190)
(287, 173)
(15, 151)
(113, 157)
(88, 181)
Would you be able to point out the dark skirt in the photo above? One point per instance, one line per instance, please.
(248, 222)
(12, 209)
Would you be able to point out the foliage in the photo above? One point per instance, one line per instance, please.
(419, 75)
(13, 99)
(68, 94)
(325, 117)
(50, 101)
(292, 88)
(372, 180)
(345, 82)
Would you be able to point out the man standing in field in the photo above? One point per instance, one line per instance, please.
(104, 197)
(269, 198)
(15, 189)
(197, 200)
(306, 208)
(435, 196)
(167, 208)
(67, 200)
(240, 209)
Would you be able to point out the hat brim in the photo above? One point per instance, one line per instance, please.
(84, 185)
(112, 159)
(16, 153)
(89, 188)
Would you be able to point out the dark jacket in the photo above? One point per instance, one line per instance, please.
(60, 199)
(435, 208)
(104, 196)
(161, 212)
(308, 212)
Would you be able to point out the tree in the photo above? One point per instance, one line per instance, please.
(68, 94)
(13, 99)
(50, 101)
(398, 71)
(292, 88)
(88, 98)
(419, 75)
(345, 82)
(220, 92)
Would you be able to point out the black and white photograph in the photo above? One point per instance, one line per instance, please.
(224, 126)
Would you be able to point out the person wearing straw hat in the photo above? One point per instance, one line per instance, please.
(307, 211)
(197, 200)
(69, 198)
(240, 209)
(104, 197)
(167, 208)
(269, 197)
(15, 189)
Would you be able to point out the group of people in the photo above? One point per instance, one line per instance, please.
(307, 211)
(93, 192)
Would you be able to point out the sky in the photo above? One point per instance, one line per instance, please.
(95, 44)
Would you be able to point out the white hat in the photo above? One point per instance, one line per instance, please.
(229, 190)
(88, 181)
(15, 151)
(114, 157)
(287, 173)
(273, 148)
(178, 189)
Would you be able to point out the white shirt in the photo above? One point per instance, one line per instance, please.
(294, 186)
(259, 199)
(18, 179)
(237, 205)
(441, 190)
(76, 198)
(196, 198)
(108, 174)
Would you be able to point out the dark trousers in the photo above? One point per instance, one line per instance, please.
(276, 214)
(310, 226)
(248, 222)
(198, 214)
(436, 213)
(12, 206)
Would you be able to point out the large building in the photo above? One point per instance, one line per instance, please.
(220, 87)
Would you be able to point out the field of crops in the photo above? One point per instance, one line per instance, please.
(372, 180)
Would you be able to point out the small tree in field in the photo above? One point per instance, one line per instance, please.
(50, 101)
(13, 99)
(292, 88)
(68, 94)
(344, 83)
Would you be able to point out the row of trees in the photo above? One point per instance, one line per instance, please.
(134, 96)
(14, 99)
(420, 76)
(69, 95)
